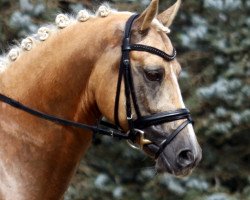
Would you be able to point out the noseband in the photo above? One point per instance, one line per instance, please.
(135, 134)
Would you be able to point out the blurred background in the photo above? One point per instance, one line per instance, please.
(212, 38)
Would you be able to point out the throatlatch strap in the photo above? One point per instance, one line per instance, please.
(117, 97)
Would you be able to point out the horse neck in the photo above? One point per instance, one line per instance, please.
(58, 77)
(53, 77)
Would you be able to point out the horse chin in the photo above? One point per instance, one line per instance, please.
(163, 165)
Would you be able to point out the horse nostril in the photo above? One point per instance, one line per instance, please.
(185, 158)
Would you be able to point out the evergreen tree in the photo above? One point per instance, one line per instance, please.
(212, 41)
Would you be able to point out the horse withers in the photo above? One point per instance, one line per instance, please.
(76, 70)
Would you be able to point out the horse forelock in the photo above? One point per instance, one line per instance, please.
(61, 21)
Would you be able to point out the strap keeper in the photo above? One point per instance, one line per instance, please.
(126, 44)
(130, 117)
(126, 62)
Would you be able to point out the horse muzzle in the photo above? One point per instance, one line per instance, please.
(177, 156)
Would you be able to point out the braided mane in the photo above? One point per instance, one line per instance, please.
(61, 21)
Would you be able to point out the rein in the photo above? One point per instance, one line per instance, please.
(135, 125)
(96, 129)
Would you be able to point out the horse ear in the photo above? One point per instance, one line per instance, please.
(143, 22)
(167, 16)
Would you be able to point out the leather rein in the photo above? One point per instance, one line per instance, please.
(135, 125)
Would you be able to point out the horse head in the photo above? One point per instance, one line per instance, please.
(154, 90)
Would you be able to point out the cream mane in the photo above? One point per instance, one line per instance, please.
(62, 21)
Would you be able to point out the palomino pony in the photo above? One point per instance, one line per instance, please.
(72, 71)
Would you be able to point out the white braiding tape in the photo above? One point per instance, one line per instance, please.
(43, 33)
(160, 26)
(62, 21)
(83, 16)
(27, 44)
(3, 65)
(13, 54)
(103, 11)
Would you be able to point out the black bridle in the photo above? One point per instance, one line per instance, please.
(135, 125)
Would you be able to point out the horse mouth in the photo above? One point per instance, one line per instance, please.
(164, 164)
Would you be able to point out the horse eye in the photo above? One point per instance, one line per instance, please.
(154, 75)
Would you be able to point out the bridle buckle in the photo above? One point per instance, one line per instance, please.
(140, 142)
